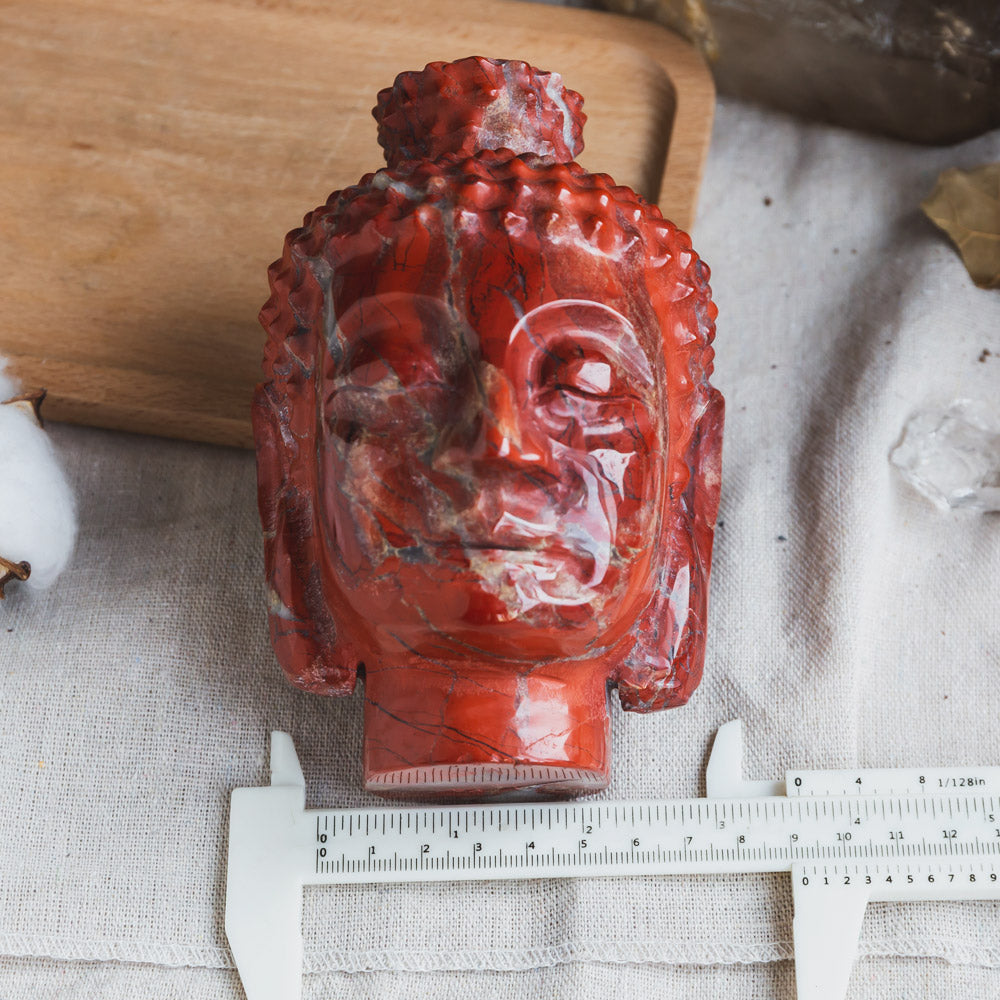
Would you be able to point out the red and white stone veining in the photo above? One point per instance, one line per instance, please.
(488, 451)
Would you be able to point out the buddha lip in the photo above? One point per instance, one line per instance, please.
(502, 546)
(521, 545)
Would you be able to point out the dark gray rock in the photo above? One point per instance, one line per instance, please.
(923, 70)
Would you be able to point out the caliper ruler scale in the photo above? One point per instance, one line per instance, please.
(846, 837)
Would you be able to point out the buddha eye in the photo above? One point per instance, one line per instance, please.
(590, 377)
(581, 374)
(391, 364)
(375, 374)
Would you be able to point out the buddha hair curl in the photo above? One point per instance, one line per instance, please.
(485, 157)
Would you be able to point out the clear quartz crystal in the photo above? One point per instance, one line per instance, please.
(952, 456)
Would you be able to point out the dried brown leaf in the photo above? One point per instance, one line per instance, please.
(966, 205)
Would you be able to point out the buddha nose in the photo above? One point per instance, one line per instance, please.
(502, 431)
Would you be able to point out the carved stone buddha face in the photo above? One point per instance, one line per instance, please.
(493, 477)
(488, 464)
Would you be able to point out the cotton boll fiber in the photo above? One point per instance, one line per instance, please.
(37, 508)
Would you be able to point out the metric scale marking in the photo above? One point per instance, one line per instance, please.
(846, 837)
(642, 838)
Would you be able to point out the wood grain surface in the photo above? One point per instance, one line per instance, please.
(154, 156)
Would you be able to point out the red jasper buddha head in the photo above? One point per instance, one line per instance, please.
(488, 452)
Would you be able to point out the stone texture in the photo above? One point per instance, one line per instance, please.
(488, 451)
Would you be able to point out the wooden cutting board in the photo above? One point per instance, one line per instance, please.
(155, 154)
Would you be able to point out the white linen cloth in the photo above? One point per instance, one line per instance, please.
(852, 624)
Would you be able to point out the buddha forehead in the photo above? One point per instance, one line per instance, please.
(476, 284)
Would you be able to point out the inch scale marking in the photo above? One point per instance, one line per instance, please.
(846, 837)
(692, 836)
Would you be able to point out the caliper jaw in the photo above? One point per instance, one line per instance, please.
(827, 922)
(264, 888)
(724, 772)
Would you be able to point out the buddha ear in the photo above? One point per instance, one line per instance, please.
(665, 663)
(303, 632)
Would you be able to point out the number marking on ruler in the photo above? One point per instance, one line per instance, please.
(846, 837)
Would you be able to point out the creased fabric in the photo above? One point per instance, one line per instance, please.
(852, 624)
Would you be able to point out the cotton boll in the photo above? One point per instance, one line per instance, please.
(37, 508)
(8, 387)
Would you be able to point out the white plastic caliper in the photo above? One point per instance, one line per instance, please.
(846, 837)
